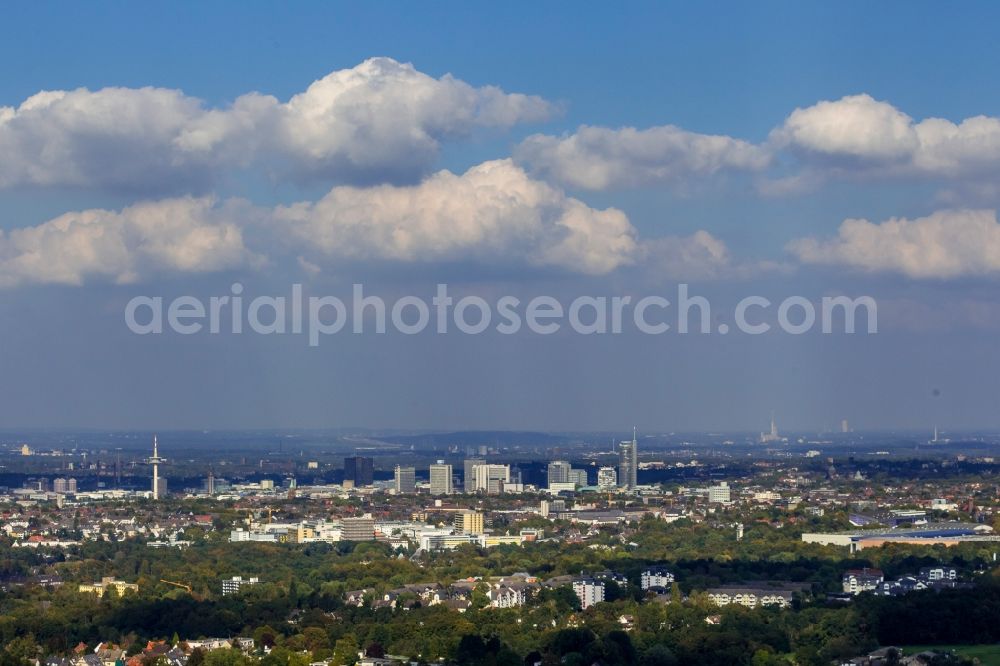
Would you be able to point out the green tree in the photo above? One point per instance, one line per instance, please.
(658, 655)
(345, 651)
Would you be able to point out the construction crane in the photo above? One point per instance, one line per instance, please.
(176, 584)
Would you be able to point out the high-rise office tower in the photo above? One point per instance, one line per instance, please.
(469, 471)
(578, 477)
(360, 470)
(441, 474)
(491, 479)
(361, 528)
(406, 479)
(551, 507)
(558, 472)
(628, 463)
(720, 494)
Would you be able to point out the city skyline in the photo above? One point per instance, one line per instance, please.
(521, 334)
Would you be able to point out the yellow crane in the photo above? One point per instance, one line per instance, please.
(176, 584)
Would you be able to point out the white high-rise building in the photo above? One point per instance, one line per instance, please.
(628, 463)
(441, 474)
(588, 591)
(720, 494)
(469, 468)
(607, 478)
(492, 478)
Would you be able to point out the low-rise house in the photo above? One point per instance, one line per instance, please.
(208, 644)
(508, 596)
(929, 578)
(87, 660)
(778, 595)
(856, 581)
(410, 595)
(460, 605)
(107, 583)
(939, 573)
(358, 597)
(109, 655)
(751, 597)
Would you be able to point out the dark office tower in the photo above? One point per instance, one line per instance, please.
(405, 479)
(360, 470)
(628, 463)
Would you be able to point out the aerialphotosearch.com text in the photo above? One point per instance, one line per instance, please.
(320, 316)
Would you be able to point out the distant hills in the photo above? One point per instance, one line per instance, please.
(497, 438)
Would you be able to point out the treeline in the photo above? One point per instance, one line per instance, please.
(948, 616)
(299, 605)
(620, 633)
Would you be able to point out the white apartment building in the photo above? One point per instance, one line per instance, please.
(588, 591)
(233, 585)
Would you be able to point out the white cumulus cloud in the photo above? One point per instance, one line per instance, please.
(494, 212)
(382, 120)
(492, 215)
(945, 244)
(698, 256)
(861, 135)
(184, 235)
(599, 158)
(115, 137)
(379, 121)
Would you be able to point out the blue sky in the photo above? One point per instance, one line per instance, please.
(691, 61)
(721, 154)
